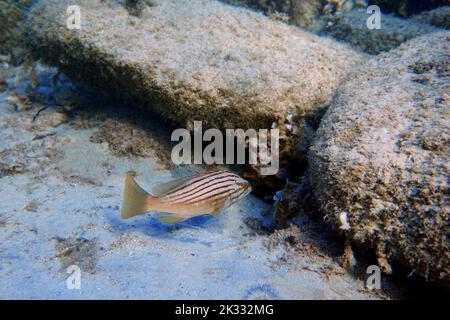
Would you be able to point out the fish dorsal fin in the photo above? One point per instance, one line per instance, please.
(165, 188)
(170, 218)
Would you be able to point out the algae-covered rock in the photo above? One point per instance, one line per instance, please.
(439, 17)
(200, 60)
(380, 161)
(12, 15)
(352, 27)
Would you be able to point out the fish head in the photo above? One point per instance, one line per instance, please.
(241, 188)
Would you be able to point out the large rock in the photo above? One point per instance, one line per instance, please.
(200, 60)
(380, 163)
(351, 27)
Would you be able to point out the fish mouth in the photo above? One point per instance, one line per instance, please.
(247, 188)
(244, 184)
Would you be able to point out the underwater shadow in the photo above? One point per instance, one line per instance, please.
(149, 226)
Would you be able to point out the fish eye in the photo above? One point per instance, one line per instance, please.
(243, 183)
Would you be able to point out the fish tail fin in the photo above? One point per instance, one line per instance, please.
(136, 200)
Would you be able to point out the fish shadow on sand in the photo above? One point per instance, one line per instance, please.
(149, 225)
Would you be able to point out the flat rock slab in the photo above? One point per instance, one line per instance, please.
(201, 60)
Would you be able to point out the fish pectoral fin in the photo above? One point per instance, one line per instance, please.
(170, 218)
(165, 188)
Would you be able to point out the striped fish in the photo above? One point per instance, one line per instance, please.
(184, 198)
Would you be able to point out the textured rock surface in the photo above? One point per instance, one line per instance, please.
(224, 65)
(351, 27)
(439, 17)
(382, 156)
